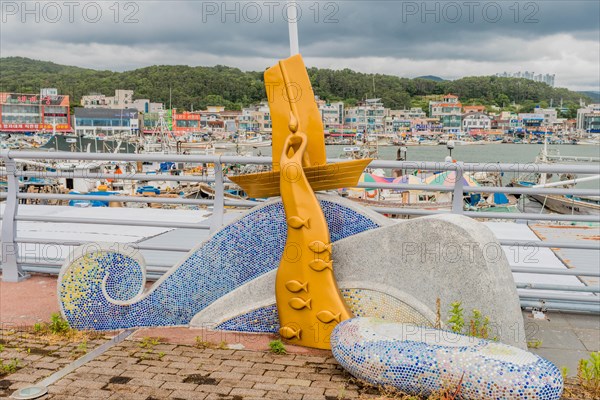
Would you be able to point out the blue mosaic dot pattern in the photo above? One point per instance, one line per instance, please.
(240, 252)
(361, 302)
(419, 360)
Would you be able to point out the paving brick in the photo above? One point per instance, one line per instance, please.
(130, 396)
(314, 376)
(328, 384)
(281, 396)
(102, 364)
(146, 382)
(244, 370)
(95, 394)
(301, 370)
(108, 371)
(293, 382)
(270, 367)
(271, 387)
(238, 363)
(167, 377)
(281, 374)
(67, 390)
(259, 378)
(341, 393)
(138, 374)
(247, 392)
(222, 390)
(313, 397)
(306, 390)
(174, 358)
(179, 386)
(157, 393)
(186, 394)
(236, 383)
(311, 359)
(285, 361)
(226, 375)
(87, 384)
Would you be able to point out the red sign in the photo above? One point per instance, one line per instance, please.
(34, 127)
(187, 116)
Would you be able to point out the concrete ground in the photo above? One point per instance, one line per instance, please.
(177, 369)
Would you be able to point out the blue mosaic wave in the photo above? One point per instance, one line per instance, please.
(237, 254)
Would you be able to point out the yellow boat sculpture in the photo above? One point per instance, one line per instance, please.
(308, 299)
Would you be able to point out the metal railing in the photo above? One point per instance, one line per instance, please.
(563, 297)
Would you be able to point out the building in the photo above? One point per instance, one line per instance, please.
(367, 117)
(186, 122)
(332, 115)
(588, 119)
(255, 119)
(531, 122)
(448, 112)
(476, 122)
(402, 121)
(47, 111)
(473, 109)
(550, 115)
(106, 121)
(121, 100)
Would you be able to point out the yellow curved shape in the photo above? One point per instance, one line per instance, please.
(308, 299)
(293, 92)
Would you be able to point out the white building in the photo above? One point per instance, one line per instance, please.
(121, 100)
(105, 121)
(588, 119)
(367, 117)
(332, 114)
(256, 119)
(550, 115)
(476, 121)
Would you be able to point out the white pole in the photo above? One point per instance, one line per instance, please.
(570, 181)
(292, 15)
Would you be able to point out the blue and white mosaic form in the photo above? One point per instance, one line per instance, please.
(361, 302)
(101, 286)
(419, 360)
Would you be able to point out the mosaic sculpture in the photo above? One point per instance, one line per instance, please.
(422, 360)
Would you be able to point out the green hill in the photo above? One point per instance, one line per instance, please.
(198, 87)
(431, 78)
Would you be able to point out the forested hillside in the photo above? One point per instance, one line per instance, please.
(198, 87)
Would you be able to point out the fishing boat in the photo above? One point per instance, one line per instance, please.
(562, 204)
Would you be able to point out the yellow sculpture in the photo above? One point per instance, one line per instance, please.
(308, 299)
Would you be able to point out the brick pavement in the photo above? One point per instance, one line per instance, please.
(170, 371)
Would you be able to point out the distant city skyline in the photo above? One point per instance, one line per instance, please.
(532, 76)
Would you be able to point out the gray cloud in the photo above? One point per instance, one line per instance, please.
(478, 37)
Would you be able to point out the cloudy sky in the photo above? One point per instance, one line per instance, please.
(450, 39)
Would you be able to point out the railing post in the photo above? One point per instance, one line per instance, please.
(219, 205)
(11, 271)
(457, 197)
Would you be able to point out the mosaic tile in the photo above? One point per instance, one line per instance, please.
(238, 253)
(420, 360)
(362, 303)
